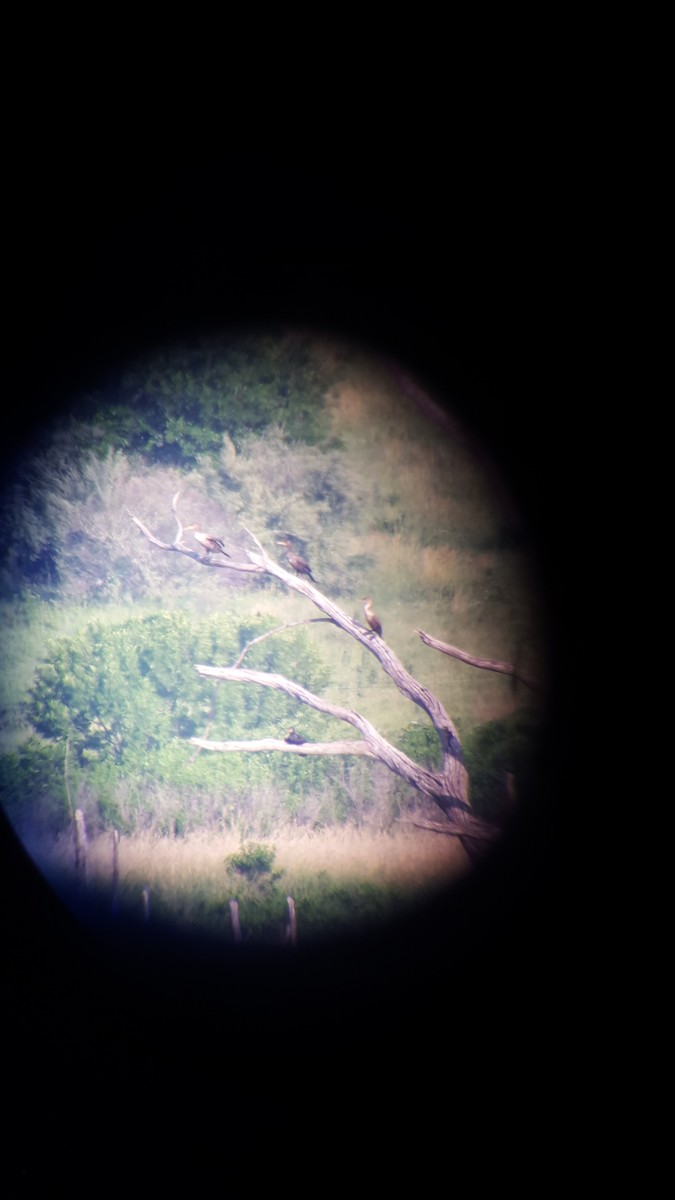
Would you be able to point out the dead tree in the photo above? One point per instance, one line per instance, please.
(448, 786)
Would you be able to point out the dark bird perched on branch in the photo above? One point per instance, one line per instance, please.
(294, 738)
(211, 544)
(299, 565)
(373, 621)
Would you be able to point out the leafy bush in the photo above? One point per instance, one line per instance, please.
(252, 860)
(176, 406)
(33, 788)
(501, 754)
(128, 698)
(420, 742)
(123, 692)
(172, 413)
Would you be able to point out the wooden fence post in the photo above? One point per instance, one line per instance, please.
(291, 930)
(234, 913)
(115, 871)
(81, 863)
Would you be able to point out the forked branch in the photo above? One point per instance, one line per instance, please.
(177, 546)
(424, 780)
(475, 833)
(279, 629)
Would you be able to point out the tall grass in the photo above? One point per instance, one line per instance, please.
(340, 880)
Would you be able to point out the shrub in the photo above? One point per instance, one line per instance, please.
(499, 749)
(122, 693)
(420, 742)
(252, 860)
(33, 788)
(128, 698)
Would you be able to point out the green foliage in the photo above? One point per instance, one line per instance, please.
(252, 860)
(420, 742)
(178, 410)
(123, 692)
(127, 697)
(33, 788)
(68, 510)
(177, 406)
(332, 907)
(93, 690)
(499, 749)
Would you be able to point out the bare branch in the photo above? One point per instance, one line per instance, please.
(267, 744)
(454, 772)
(151, 537)
(246, 568)
(279, 629)
(482, 831)
(179, 532)
(432, 826)
(263, 562)
(254, 539)
(486, 664)
(429, 782)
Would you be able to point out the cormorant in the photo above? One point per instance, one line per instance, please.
(211, 544)
(294, 738)
(299, 565)
(373, 621)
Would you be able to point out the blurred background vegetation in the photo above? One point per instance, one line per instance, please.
(100, 630)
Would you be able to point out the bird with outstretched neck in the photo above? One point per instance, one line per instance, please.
(373, 621)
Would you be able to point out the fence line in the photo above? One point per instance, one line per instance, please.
(289, 933)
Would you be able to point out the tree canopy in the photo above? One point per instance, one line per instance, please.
(177, 405)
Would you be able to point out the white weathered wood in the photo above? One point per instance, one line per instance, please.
(430, 782)
(174, 547)
(484, 664)
(307, 749)
(271, 632)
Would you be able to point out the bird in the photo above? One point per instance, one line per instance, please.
(294, 738)
(299, 565)
(373, 621)
(211, 544)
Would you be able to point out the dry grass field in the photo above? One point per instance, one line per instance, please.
(342, 877)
